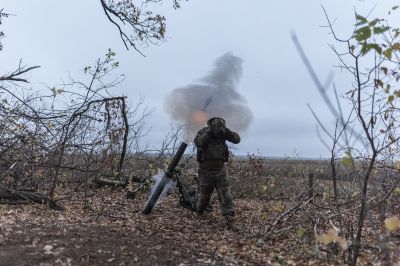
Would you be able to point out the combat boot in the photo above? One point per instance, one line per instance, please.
(230, 224)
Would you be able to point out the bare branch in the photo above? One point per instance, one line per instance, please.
(15, 76)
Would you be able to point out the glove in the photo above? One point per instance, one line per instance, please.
(232, 136)
(208, 132)
(219, 131)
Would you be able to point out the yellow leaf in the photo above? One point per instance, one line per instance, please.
(264, 215)
(397, 165)
(278, 207)
(392, 223)
(332, 237)
(397, 190)
(347, 159)
(342, 243)
(329, 237)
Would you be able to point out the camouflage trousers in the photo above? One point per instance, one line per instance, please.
(210, 179)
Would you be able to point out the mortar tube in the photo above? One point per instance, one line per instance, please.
(167, 176)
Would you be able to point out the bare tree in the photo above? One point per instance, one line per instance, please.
(80, 130)
(367, 139)
(136, 24)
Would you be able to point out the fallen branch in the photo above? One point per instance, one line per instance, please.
(116, 183)
(15, 195)
(109, 182)
(269, 232)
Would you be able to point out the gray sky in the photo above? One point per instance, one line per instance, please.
(65, 36)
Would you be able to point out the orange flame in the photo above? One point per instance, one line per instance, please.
(199, 118)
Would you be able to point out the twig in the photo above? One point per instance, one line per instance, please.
(14, 76)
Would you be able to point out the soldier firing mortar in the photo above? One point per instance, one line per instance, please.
(212, 154)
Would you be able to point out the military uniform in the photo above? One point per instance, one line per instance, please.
(212, 153)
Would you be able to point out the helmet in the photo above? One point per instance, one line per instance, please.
(218, 120)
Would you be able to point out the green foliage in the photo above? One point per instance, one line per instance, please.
(368, 46)
(376, 35)
(367, 33)
(380, 30)
(362, 34)
(361, 20)
(390, 98)
(104, 66)
(56, 91)
(347, 159)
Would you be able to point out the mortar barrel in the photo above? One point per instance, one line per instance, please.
(165, 179)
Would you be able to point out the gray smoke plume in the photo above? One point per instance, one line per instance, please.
(170, 186)
(214, 95)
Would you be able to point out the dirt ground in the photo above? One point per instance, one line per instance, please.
(92, 245)
(109, 229)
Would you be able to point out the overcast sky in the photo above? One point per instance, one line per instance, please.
(64, 36)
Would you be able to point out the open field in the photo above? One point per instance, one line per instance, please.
(278, 223)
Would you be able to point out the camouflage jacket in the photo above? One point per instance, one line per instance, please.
(210, 147)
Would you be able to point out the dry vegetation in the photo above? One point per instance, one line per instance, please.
(279, 223)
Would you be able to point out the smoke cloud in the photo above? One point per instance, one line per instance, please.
(214, 95)
(170, 185)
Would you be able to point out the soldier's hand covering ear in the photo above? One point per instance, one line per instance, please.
(219, 131)
(232, 136)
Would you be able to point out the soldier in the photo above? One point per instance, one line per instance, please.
(212, 153)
